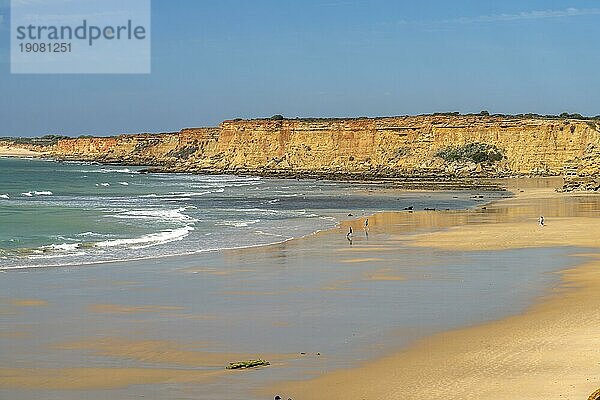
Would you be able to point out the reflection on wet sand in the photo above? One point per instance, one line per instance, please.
(214, 271)
(28, 303)
(312, 295)
(384, 274)
(551, 351)
(361, 260)
(166, 353)
(122, 309)
(97, 378)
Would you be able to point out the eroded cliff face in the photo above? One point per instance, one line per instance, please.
(398, 146)
(165, 149)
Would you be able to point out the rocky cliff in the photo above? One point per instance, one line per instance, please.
(368, 147)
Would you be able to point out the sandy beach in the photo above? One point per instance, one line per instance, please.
(551, 351)
(429, 304)
(16, 152)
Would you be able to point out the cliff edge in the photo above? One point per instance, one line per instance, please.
(412, 146)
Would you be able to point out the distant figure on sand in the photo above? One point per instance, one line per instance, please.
(367, 228)
(541, 220)
(349, 235)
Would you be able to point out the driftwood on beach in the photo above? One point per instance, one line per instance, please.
(248, 364)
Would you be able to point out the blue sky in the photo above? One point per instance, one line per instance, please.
(221, 59)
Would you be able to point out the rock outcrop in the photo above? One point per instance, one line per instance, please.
(363, 147)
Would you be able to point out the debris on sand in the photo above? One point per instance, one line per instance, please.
(248, 364)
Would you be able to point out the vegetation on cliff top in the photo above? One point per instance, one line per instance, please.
(474, 152)
(563, 116)
(46, 140)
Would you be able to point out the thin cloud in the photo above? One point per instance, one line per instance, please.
(525, 15)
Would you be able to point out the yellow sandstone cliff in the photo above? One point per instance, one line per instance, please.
(371, 147)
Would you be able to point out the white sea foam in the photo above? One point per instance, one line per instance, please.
(238, 224)
(227, 178)
(81, 162)
(189, 194)
(55, 255)
(156, 214)
(109, 171)
(149, 240)
(65, 247)
(90, 234)
(105, 184)
(55, 251)
(4, 196)
(36, 193)
(268, 234)
(326, 218)
(121, 171)
(124, 183)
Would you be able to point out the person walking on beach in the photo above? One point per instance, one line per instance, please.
(367, 228)
(541, 220)
(349, 235)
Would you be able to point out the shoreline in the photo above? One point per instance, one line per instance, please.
(542, 344)
(338, 225)
(434, 182)
(341, 222)
(347, 259)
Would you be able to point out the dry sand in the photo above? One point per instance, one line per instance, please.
(552, 351)
(16, 152)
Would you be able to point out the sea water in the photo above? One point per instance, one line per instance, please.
(68, 213)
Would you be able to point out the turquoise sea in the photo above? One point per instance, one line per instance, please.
(64, 213)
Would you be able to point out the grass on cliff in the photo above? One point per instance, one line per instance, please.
(563, 116)
(474, 152)
(47, 140)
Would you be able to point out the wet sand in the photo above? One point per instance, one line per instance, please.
(550, 351)
(166, 328)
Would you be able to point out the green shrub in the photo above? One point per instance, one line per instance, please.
(277, 117)
(46, 140)
(475, 152)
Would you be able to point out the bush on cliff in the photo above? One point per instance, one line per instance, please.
(475, 152)
(46, 140)
(572, 116)
(277, 117)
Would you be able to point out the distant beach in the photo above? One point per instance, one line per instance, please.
(17, 152)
